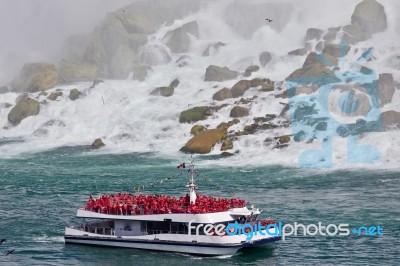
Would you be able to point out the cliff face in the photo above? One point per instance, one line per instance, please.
(338, 82)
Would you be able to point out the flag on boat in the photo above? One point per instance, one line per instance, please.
(182, 165)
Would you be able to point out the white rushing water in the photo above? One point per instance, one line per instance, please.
(129, 119)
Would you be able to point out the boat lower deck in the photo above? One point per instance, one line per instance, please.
(193, 247)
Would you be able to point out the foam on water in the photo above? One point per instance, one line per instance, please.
(129, 119)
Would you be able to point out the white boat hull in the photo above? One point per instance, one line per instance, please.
(216, 247)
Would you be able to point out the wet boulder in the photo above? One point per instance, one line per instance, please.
(97, 143)
(313, 34)
(196, 129)
(204, 141)
(240, 88)
(298, 52)
(163, 91)
(178, 40)
(386, 88)
(194, 114)
(140, 72)
(250, 69)
(226, 145)
(74, 94)
(336, 50)
(216, 73)
(24, 108)
(265, 58)
(54, 95)
(77, 71)
(212, 48)
(390, 120)
(370, 17)
(222, 94)
(239, 111)
(36, 77)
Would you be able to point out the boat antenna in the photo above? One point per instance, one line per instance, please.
(191, 184)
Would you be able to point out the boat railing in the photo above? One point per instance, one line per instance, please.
(142, 210)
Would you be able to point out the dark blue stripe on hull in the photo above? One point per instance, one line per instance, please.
(155, 242)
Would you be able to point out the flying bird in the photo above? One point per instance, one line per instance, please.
(10, 252)
(123, 10)
(269, 20)
(2, 240)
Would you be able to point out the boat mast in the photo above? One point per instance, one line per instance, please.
(191, 184)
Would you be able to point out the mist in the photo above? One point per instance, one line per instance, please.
(36, 30)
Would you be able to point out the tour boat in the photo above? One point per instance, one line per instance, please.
(166, 223)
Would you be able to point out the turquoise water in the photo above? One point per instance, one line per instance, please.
(39, 195)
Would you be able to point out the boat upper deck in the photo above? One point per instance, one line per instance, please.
(129, 204)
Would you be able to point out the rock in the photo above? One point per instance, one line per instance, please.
(74, 94)
(204, 141)
(166, 91)
(386, 88)
(97, 143)
(54, 95)
(36, 77)
(353, 34)
(54, 122)
(24, 108)
(178, 40)
(313, 34)
(321, 126)
(4, 89)
(240, 88)
(223, 125)
(315, 70)
(239, 111)
(336, 50)
(183, 60)
(265, 58)
(216, 73)
(194, 114)
(154, 54)
(298, 52)
(226, 145)
(331, 34)
(212, 48)
(390, 120)
(370, 17)
(116, 41)
(96, 82)
(267, 118)
(77, 71)
(267, 86)
(226, 154)
(121, 63)
(222, 94)
(163, 91)
(319, 46)
(196, 129)
(140, 72)
(174, 83)
(41, 132)
(257, 82)
(365, 70)
(249, 70)
(233, 122)
(306, 90)
(280, 142)
(250, 129)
